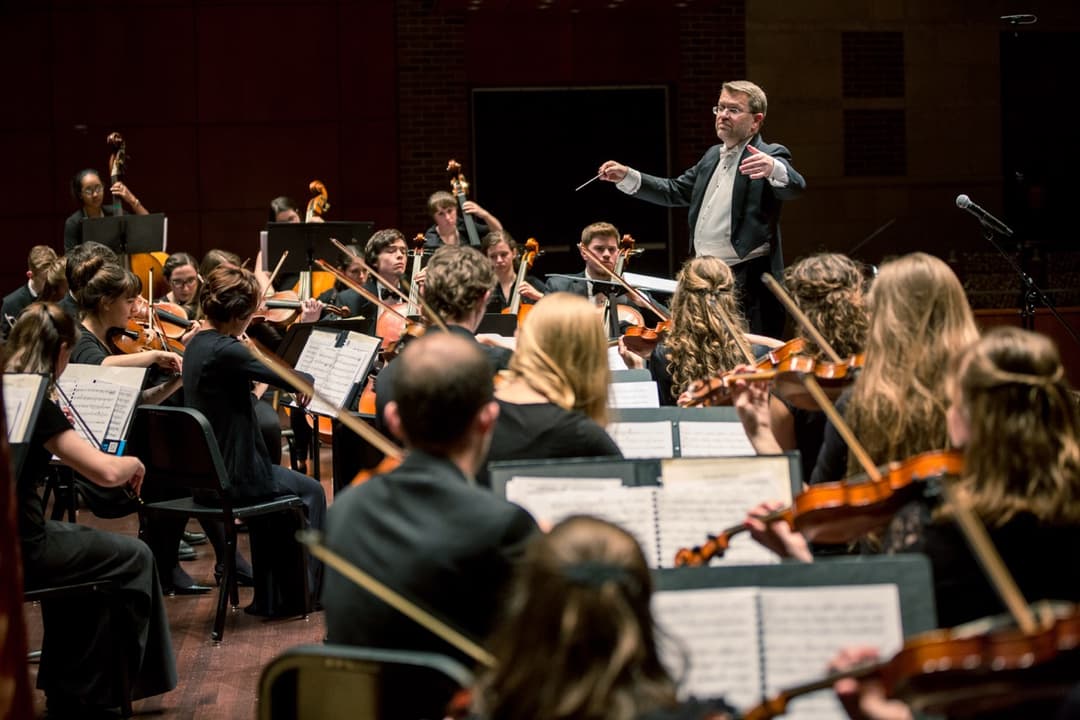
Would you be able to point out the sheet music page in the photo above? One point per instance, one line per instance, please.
(643, 439)
(20, 392)
(805, 627)
(105, 397)
(335, 369)
(551, 500)
(706, 496)
(633, 395)
(614, 359)
(713, 439)
(718, 630)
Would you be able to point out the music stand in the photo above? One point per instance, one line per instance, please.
(307, 242)
(127, 234)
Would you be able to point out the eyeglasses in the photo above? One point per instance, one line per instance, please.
(732, 110)
(94, 190)
(184, 282)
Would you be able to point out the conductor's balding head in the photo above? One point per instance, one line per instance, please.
(443, 395)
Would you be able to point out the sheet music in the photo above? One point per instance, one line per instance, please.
(551, 500)
(713, 439)
(705, 496)
(336, 368)
(614, 359)
(633, 395)
(643, 439)
(21, 391)
(804, 628)
(718, 631)
(105, 397)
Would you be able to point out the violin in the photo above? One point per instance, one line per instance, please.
(641, 339)
(839, 512)
(136, 338)
(981, 666)
(282, 308)
(525, 263)
(172, 319)
(459, 187)
(786, 376)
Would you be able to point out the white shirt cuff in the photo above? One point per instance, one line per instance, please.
(779, 175)
(632, 182)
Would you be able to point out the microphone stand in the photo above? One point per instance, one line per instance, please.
(1032, 293)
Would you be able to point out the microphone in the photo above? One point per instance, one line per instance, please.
(988, 221)
(1020, 19)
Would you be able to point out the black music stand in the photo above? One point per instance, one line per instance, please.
(308, 242)
(127, 234)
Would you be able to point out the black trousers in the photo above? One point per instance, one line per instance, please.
(87, 638)
(764, 314)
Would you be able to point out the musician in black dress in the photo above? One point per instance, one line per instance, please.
(88, 638)
(218, 373)
(87, 188)
(449, 227)
(505, 256)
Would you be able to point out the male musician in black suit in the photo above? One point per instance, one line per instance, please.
(426, 529)
(457, 285)
(735, 194)
(387, 254)
(602, 239)
(37, 263)
(450, 228)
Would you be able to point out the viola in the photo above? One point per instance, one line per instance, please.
(839, 512)
(986, 665)
(459, 187)
(525, 263)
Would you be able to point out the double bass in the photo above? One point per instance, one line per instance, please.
(459, 187)
(142, 264)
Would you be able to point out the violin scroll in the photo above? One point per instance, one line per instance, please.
(319, 204)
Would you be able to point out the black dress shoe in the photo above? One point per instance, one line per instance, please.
(186, 552)
(186, 589)
(194, 538)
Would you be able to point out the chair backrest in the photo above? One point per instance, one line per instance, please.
(312, 682)
(178, 448)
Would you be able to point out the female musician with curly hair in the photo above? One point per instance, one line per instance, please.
(578, 641)
(553, 402)
(699, 344)
(828, 288)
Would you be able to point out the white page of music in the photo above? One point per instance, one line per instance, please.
(633, 395)
(713, 439)
(717, 629)
(643, 439)
(336, 369)
(615, 360)
(105, 398)
(20, 391)
(704, 496)
(551, 500)
(804, 628)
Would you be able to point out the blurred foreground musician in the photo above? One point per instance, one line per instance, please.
(425, 529)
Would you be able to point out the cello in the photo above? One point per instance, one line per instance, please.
(459, 187)
(627, 313)
(314, 283)
(525, 263)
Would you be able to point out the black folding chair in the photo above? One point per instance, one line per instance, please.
(313, 682)
(178, 448)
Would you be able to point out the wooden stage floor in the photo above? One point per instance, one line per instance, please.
(216, 680)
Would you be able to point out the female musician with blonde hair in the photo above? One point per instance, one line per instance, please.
(553, 402)
(699, 344)
(578, 641)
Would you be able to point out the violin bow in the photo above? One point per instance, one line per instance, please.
(313, 540)
(626, 286)
(435, 317)
(270, 283)
(800, 316)
(730, 327)
(360, 289)
(361, 428)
